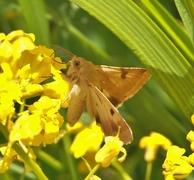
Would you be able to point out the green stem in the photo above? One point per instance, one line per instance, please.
(55, 164)
(5, 176)
(148, 171)
(92, 172)
(70, 161)
(4, 131)
(22, 177)
(28, 160)
(87, 164)
(22, 107)
(120, 169)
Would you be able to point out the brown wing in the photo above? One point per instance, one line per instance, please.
(106, 115)
(120, 84)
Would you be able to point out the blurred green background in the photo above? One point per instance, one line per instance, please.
(64, 24)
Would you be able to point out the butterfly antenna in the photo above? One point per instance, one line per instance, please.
(71, 55)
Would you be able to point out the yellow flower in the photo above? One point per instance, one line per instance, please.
(192, 118)
(51, 120)
(42, 123)
(176, 166)
(112, 147)
(7, 95)
(191, 159)
(59, 84)
(190, 137)
(26, 126)
(152, 143)
(12, 45)
(88, 139)
(24, 64)
(23, 67)
(33, 68)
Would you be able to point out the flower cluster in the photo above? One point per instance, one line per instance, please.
(177, 166)
(23, 68)
(152, 143)
(87, 144)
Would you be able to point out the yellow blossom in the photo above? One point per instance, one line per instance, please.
(192, 118)
(12, 45)
(176, 166)
(88, 139)
(6, 107)
(33, 68)
(152, 143)
(90, 153)
(191, 159)
(112, 147)
(59, 84)
(190, 137)
(23, 67)
(7, 98)
(26, 126)
(32, 90)
(51, 120)
(8, 84)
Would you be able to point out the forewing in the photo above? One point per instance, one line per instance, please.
(120, 84)
(106, 115)
(76, 105)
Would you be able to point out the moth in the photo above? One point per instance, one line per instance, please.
(101, 90)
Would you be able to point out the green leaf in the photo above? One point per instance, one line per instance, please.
(149, 116)
(186, 10)
(35, 15)
(171, 28)
(137, 31)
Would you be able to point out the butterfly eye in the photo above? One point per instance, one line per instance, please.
(77, 63)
